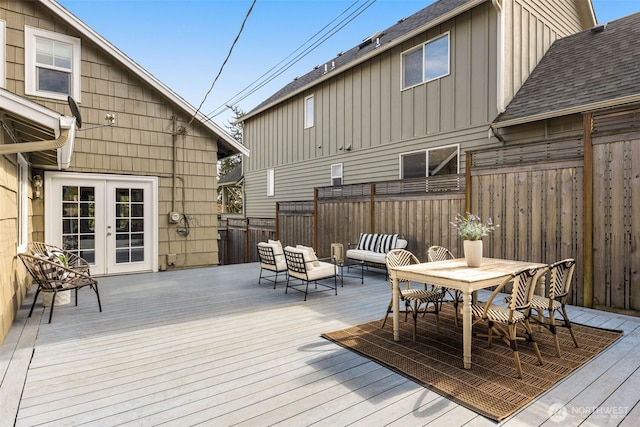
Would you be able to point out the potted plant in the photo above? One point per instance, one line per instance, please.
(471, 228)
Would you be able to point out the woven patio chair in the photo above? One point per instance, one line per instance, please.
(440, 253)
(52, 276)
(413, 298)
(72, 260)
(502, 321)
(560, 273)
(271, 260)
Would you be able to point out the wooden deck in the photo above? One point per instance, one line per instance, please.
(209, 346)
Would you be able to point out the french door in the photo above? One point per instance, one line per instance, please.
(109, 220)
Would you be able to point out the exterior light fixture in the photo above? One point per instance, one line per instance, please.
(37, 186)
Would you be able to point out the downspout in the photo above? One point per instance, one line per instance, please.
(174, 138)
(497, 4)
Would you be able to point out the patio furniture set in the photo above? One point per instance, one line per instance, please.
(300, 265)
(444, 275)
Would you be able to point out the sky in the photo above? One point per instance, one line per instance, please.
(186, 43)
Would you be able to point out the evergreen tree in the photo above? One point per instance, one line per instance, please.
(226, 165)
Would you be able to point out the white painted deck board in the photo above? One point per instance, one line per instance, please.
(210, 346)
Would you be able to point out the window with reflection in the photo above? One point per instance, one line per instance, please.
(435, 161)
(79, 221)
(129, 230)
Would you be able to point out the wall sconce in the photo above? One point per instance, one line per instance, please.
(37, 186)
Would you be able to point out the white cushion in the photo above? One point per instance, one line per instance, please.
(308, 259)
(278, 254)
(325, 270)
(309, 255)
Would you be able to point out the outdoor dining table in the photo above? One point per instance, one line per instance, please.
(455, 274)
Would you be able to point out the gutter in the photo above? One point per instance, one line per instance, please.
(439, 20)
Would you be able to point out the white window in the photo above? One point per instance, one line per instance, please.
(3, 54)
(271, 188)
(427, 62)
(52, 64)
(336, 174)
(308, 112)
(23, 200)
(436, 161)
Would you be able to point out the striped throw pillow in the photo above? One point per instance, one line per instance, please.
(386, 242)
(368, 242)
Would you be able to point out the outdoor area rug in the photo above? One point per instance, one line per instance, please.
(491, 387)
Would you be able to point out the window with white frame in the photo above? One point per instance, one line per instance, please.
(308, 112)
(23, 207)
(336, 174)
(271, 188)
(435, 161)
(52, 64)
(426, 62)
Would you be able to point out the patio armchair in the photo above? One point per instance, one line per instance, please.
(502, 321)
(271, 260)
(52, 276)
(440, 253)
(413, 298)
(560, 274)
(305, 267)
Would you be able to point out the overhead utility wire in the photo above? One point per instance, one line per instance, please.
(242, 94)
(224, 63)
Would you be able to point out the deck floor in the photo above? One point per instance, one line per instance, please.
(210, 346)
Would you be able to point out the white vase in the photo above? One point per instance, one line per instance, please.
(62, 298)
(473, 252)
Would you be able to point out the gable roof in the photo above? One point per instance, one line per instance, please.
(232, 178)
(227, 145)
(406, 28)
(593, 69)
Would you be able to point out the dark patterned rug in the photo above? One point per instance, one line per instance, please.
(491, 387)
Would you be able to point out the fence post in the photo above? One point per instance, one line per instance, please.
(277, 237)
(588, 213)
(246, 240)
(467, 181)
(315, 218)
(372, 204)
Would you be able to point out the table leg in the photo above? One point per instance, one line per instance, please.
(395, 305)
(466, 329)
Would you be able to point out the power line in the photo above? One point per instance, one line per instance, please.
(223, 63)
(274, 72)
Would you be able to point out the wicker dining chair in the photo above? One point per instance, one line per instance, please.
(440, 253)
(502, 321)
(417, 297)
(52, 276)
(560, 274)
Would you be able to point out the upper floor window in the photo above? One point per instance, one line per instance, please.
(52, 64)
(336, 174)
(436, 161)
(308, 112)
(426, 62)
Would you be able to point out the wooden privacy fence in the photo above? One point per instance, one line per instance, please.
(570, 198)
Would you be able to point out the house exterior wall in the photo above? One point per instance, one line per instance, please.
(150, 138)
(145, 139)
(530, 28)
(364, 107)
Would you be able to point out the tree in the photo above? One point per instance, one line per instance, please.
(233, 195)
